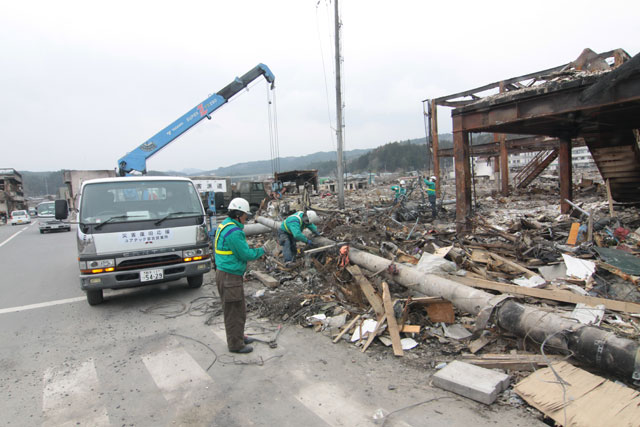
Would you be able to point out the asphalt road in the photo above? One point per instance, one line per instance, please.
(132, 361)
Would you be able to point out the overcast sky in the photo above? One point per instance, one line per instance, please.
(84, 82)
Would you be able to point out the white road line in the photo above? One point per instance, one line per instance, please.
(332, 404)
(12, 236)
(70, 397)
(41, 305)
(177, 375)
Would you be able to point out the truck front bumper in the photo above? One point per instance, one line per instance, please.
(132, 278)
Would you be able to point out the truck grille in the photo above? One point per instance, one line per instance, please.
(131, 264)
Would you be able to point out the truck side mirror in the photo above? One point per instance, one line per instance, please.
(62, 209)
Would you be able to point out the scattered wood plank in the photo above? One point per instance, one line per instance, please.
(475, 345)
(615, 270)
(266, 279)
(367, 289)
(411, 329)
(441, 311)
(480, 256)
(573, 233)
(550, 294)
(391, 320)
(528, 273)
(517, 362)
(347, 328)
(380, 321)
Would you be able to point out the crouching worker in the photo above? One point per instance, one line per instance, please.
(232, 254)
(291, 231)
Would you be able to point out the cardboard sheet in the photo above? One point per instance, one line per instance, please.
(585, 400)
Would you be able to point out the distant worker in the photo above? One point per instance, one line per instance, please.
(231, 254)
(431, 193)
(291, 231)
(399, 191)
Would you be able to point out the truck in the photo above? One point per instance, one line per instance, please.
(47, 221)
(135, 231)
(142, 230)
(252, 191)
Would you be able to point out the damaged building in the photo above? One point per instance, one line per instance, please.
(11, 192)
(521, 278)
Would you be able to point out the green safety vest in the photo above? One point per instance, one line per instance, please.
(218, 232)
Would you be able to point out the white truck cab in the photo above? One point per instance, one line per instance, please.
(46, 219)
(135, 231)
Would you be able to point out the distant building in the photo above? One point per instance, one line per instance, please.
(73, 179)
(11, 192)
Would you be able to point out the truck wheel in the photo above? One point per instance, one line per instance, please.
(95, 297)
(195, 281)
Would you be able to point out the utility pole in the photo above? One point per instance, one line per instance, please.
(339, 111)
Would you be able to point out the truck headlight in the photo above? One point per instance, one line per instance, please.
(101, 263)
(193, 252)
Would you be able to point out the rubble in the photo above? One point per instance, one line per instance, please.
(518, 246)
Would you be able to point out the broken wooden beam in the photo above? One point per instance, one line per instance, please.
(367, 289)
(266, 280)
(391, 320)
(550, 294)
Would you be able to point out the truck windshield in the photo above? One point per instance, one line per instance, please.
(122, 201)
(46, 209)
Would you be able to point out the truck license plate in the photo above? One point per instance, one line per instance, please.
(148, 275)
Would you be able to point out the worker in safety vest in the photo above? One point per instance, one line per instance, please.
(431, 193)
(291, 230)
(399, 191)
(231, 254)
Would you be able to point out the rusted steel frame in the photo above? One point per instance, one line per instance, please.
(472, 92)
(564, 163)
(436, 144)
(504, 158)
(447, 99)
(515, 145)
(463, 177)
(497, 117)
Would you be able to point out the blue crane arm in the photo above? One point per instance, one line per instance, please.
(136, 160)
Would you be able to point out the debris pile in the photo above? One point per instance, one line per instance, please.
(583, 266)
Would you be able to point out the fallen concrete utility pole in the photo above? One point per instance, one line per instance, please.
(597, 347)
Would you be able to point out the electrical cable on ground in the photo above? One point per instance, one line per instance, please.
(200, 342)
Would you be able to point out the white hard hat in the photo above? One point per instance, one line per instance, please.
(433, 178)
(240, 204)
(313, 216)
(402, 182)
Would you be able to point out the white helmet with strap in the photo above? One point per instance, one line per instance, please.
(433, 178)
(312, 216)
(239, 204)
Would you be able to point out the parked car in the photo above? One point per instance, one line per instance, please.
(20, 217)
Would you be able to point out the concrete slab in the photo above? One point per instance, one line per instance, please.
(474, 382)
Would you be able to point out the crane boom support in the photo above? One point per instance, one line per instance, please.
(136, 160)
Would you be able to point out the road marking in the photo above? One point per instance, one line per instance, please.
(333, 405)
(13, 235)
(177, 374)
(41, 305)
(70, 398)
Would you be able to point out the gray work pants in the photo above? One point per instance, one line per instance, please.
(231, 294)
(433, 201)
(288, 244)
